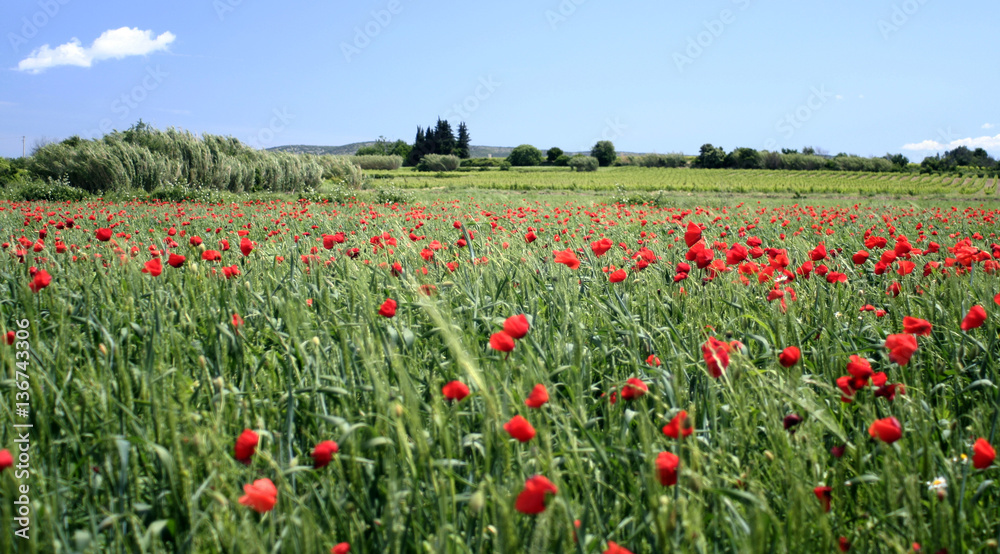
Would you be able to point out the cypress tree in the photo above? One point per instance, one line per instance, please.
(462, 148)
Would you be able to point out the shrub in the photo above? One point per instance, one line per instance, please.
(604, 151)
(661, 160)
(437, 162)
(525, 155)
(378, 162)
(52, 190)
(562, 161)
(553, 154)
(584, 163)
(505, 166)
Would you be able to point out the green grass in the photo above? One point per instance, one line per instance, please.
(140, 385)
(699, 182)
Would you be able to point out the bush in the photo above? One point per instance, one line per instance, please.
(143, 158)
(505, 166)
(387, 163)
(437, 162)
(584, 163)
(525, 155)
(604, 151)
(52, 190)
(562, 161)
(553, 154)
(661, 160)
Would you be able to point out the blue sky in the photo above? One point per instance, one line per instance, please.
(865, 77)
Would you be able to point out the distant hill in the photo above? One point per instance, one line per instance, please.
(350, 149)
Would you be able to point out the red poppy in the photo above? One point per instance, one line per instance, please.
(824, 496)
(455, 390)
(653, 360)
(974, 319)
(11, 336)
(789, 356)
(341, 548)
(519, 428)
(901, 347)
(538, 397)
(567, 258)
(861, 370)
(679, 426)
(618, 276)
(6, 459)
(262, 495)
(996, 299)
(716, 355)
(667, 464)
(634, 388)
(916, 326)
(889, 391)
(237, 321)
(246, 445)
(613, 548)
(176, 260)
(791, 421)
(692, 235)
(388, 308)
(195, 241)
(601, 247)
(887, 430)
(532, 498)
(843, 544)
(502, 342)
(211, 255)
(104, 234)
(860, 257)
(41, 280)
(983, 454)
(323, 452)
(516, 326)
(246, 246)
(153, 267)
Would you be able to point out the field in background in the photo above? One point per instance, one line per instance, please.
(696, 181)
(144, 374)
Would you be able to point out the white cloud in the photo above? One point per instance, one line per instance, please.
(986, 143)
(839, 97)
(112, 44)
(988, 125)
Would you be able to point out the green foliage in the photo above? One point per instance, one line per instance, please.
(143, 158)
(561, 161)
(525, 155)
(505, 165)
(710, 157)
(584, 163)
(462, 145)
(51, 190)
(657, 160)
(437, 162)
(386, 163)
(552, 154)
(604, 151)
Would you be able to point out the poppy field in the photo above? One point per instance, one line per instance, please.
(527, 373)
